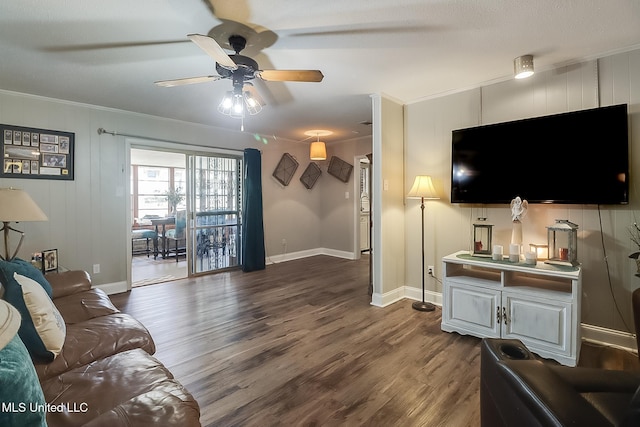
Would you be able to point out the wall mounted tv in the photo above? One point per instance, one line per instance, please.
(581, 157)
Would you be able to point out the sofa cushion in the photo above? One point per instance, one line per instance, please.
(127, 389)
(85, 305)
(95, 339)
(20, 392)
(68, 282)
(42, 329)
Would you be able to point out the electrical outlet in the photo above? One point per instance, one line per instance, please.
(96, 268)
(430, 270)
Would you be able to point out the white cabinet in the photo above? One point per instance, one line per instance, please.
(539, 305)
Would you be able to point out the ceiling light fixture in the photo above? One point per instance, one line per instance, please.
(318, 149)
(523, 66)
(237, 101)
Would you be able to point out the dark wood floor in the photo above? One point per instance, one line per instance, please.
(300, 344)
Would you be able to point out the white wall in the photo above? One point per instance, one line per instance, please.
(88, 216)
(388, 241)
(608, 81)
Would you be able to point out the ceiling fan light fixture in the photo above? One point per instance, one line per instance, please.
(523, 67)
(225, 105)
(253, 106)
(237, 111)
(235, 104)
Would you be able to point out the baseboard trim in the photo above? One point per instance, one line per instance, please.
(275, 259)
(429, 296)
(609, 337)
(384, 300)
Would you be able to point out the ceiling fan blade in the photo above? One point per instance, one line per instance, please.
(187, 81)
(291, 75)
(100, 46)
(213, 49)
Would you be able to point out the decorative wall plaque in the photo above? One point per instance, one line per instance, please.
(340, 169)
(310, 175)
(286, 168)
(37, 153)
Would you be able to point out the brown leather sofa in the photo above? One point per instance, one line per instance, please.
(517, 389)
(106, 374)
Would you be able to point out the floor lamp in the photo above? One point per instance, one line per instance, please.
(16, 206)
(423, 189)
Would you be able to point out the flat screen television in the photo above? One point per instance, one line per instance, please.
(580, 157)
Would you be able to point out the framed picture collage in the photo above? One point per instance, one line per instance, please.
(37, 153)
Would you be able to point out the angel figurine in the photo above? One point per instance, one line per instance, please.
(518, 208)
(518, 211)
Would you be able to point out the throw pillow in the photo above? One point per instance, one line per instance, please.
(42, 329)
(22, 399)
(20, 266)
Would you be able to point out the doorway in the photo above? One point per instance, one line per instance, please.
(364, 205)
(189, 203)
(158, 190)
(363, 213)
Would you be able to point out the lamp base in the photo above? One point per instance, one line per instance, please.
(423, 306)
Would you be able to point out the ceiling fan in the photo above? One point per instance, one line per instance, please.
(239, 68)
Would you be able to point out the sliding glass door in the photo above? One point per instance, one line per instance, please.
(215, 197)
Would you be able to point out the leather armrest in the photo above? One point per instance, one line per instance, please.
(68, 282)
(547, 396)
(593, 380)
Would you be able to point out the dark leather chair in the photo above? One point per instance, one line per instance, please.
(517, 389)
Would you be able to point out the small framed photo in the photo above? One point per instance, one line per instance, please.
(49, 260)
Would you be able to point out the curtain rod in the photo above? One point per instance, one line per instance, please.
(113, 133)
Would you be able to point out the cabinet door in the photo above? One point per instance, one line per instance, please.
(470, 309)
(543, 325)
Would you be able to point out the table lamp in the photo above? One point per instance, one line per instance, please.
(16, 206)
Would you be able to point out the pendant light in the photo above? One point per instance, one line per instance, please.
(318, 149)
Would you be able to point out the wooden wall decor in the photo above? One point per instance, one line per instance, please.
(36, 153)
(310, 175)
(340, 169)
(286, 168)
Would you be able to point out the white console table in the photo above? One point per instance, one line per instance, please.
(539, 305)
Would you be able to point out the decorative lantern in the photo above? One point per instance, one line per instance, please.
(562, 240)
(541, 251)
(482, 238)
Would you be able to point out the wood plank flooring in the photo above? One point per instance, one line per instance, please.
(299, 344)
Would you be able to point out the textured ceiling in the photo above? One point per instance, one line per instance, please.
(109, 53)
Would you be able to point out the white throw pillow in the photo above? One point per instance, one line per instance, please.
(46, 318)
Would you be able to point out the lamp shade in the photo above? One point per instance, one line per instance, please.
(318, 151)
(422, 188)
(523, 66)
(17, 206)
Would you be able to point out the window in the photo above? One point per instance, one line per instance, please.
(150, 186)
